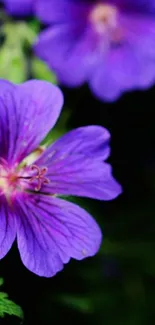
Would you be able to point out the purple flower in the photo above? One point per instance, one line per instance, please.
(19, 7)
(49, 230)
(108, 43)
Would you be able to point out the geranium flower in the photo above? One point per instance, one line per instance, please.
(49, 230)
(109, 44)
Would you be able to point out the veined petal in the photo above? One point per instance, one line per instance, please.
(7, 228)
(77, 168)
(90, 141)
(79, 176)
(28, 112)
(51, 231)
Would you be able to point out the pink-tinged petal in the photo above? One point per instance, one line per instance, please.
(7, 228)
(70, 50)
(51, 231)
(88, 140)
(28, 112)
(15, 7)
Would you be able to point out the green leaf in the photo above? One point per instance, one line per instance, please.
(34, 25)
(41, 71)
(18, 39)
(7, 306)
(12, 64)
(25, 33)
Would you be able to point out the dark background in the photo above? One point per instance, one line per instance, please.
(117, 286)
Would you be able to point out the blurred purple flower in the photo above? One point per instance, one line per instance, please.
(49, 230)
(110, 44)
(19, 7)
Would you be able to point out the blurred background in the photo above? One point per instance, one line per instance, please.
(117, 286)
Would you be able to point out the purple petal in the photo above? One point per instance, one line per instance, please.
(7, 229)
(70, 50)
(51, 231)
(52, 11)
(141, 6)
(130, 65)
(77, 168)
(88, 140)
(140, 34)
(104, 81)
(19, 8)
(28, 112)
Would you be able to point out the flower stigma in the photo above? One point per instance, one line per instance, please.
(40, 173)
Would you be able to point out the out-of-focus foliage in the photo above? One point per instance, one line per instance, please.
(41, 71)
(16, 38)
(12, 60)
(7, 306)
(17, 61)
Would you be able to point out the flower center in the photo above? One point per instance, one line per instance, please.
(8, 178)
(105, 20)
(15, 179)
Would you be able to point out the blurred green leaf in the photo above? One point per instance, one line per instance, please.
(19, 33)
(41, 71)
(34, 25)
(12, 64)
(7, 306)
(13, 60)
(79, 303)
